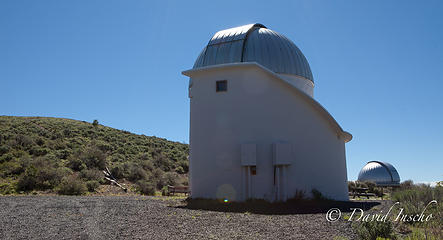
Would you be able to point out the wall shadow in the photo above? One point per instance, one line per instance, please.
(267, 208)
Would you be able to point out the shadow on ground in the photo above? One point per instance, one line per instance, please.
(289, 207)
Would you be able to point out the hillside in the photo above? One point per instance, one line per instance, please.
(67, 156)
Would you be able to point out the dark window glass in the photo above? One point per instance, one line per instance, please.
(253, 170)
(221, 86)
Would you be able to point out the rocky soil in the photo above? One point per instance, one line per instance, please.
(139, 217)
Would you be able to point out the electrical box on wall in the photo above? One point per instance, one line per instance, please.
(282, 153)
(248, 154)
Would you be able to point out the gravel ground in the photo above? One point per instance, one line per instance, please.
(139, 217)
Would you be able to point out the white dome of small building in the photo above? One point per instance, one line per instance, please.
(381, 173)
(256, 43)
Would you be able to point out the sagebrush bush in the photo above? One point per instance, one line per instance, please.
(158, 178)
(91, 174)
(145, 187)
(147, 165)
(10, 168)
(118, 171)
(92, 185)
(72, 186)
(41, 174)
(93, 158)
(6, 188)
(76, 163)
(4, 149)
(373, 230)
(406, 184)
(414, 199)
(6, 157)
(38, 151)
(28, 180)
(136, 173)
(171, 178)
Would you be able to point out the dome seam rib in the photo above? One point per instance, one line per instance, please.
(252, 29)
(386, 167)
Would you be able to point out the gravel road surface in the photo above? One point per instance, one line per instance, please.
(139, 217)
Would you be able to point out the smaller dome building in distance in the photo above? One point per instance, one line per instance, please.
(381, 173)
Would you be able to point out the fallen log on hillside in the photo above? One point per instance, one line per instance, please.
(109, 177)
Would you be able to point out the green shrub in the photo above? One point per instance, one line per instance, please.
(95, 122)
(163, 163)
(145, 187)
(118, 171)
(76, 163)
(6, 188)
(374, 229)
(407, 184)
(148, 165)
(370, 185)
(299, 194)
(28, 180)
(4, 149)
(40, 141)
(378, 192)
(6, 157)
(351, 186)
(361, 184)
(10, 168)
(425, 234)
(165, 191)
(92, 185)
(93, 158)
(91, 174)
(317, 195)
(157, 177)
(171, 178)
(179, 170)
(415, 198)
(23, 140)
(42, 174)
(63, 153)
(72, 186)
(136, 173)
(38, 151)
(67, 132)
(104, 146)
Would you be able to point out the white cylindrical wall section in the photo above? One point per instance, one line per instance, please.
(305, 85)
(258, 108)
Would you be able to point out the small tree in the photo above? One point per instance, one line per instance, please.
(95, 123)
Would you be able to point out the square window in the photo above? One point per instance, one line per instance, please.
(221, 86)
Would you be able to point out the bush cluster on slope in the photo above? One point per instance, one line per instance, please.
(38, 153)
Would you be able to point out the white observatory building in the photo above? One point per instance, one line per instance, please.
(256, 130)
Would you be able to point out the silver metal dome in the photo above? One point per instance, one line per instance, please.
(381, 173)
(255, 43)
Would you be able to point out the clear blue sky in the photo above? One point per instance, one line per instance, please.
(377, 65)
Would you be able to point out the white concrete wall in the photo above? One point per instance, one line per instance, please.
(305, 85)
(260, 109)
